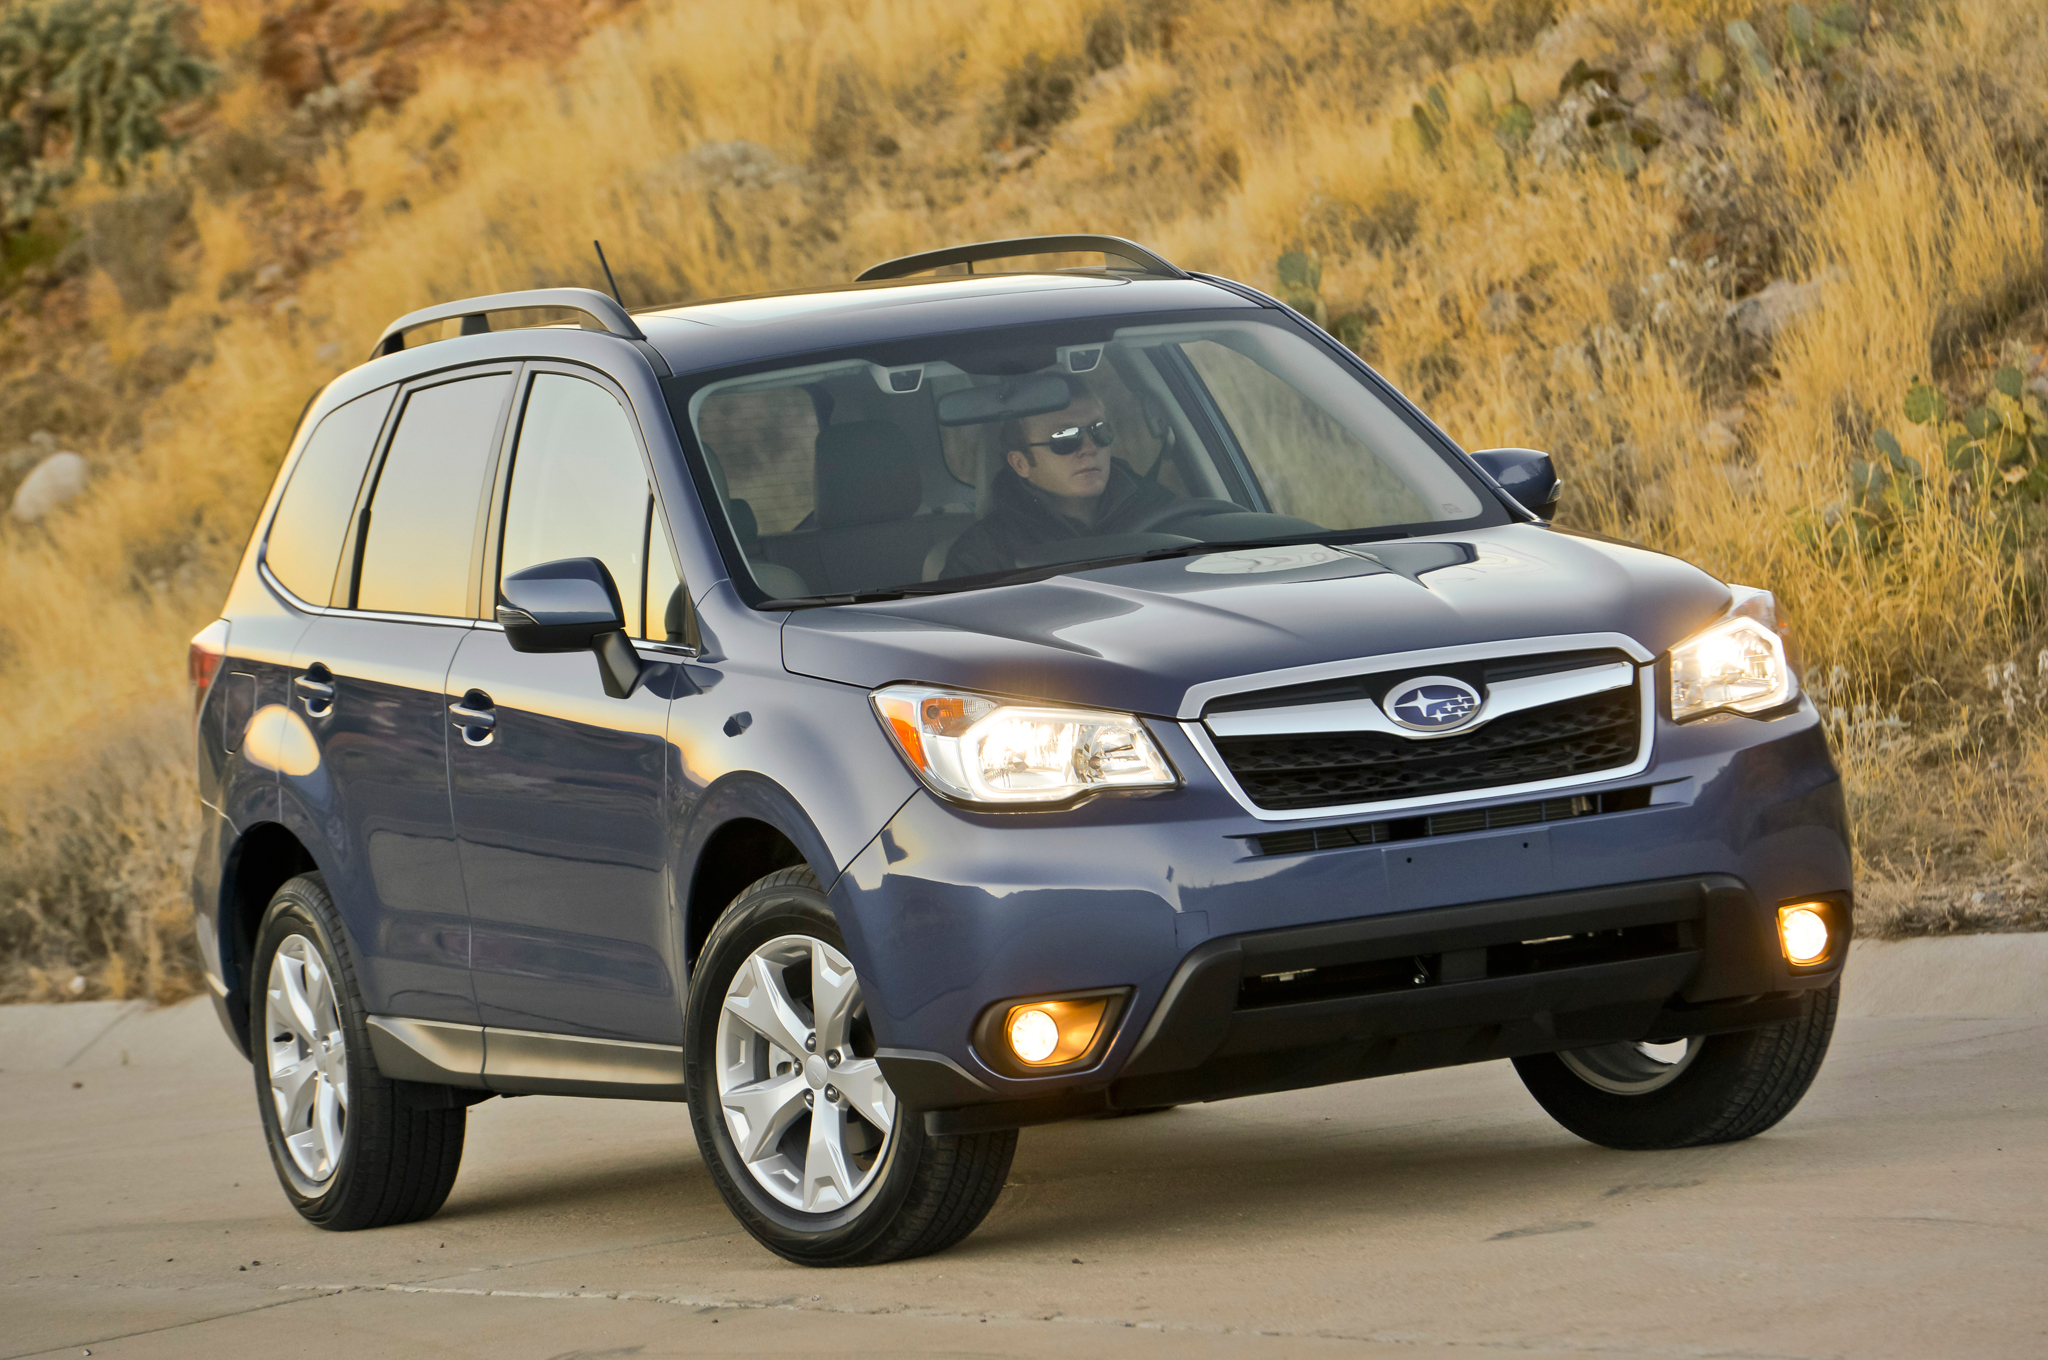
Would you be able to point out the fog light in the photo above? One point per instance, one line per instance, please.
(1047, 1033)
(1803, 931)
(1033, 1034)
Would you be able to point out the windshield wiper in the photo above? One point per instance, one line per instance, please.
(815, 601)
(1025, 575)
(1047, 570)
(862, 596)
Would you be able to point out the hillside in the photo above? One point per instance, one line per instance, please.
(1771, 281)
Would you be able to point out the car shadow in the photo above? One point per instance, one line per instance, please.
(1112, 1181)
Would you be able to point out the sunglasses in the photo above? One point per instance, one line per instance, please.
(1069, 440)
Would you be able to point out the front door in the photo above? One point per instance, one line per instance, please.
(558, 789)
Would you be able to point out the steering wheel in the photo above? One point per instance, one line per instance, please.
(1173, 510)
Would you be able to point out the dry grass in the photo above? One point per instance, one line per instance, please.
(1560, 297)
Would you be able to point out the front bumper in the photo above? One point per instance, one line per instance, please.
(1671, 904)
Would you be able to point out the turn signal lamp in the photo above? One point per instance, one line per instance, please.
(1803, 932)
(1048, 1033)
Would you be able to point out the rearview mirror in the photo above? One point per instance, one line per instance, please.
(1033, 395)
(1525, 474)
(569, 606)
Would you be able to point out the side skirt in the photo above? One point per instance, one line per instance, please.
(524, 1062)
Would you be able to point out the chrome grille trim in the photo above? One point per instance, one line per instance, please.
(1363, 715)
(1199, 696)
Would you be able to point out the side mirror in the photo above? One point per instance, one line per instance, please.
(1525, 474)
(570, 606)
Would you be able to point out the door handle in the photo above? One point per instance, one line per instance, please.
(316, 689)
(475, 716)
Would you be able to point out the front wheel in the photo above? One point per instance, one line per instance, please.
(804, 1139)
(1718, 1089)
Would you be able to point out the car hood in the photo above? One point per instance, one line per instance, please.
(1136, 637)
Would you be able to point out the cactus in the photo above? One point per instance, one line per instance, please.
(2003, 437)
(86, 80)
(1439, 107)
(1516, 123)
(1709, 68)
(1999, 445)
(1352, 328)
(1750, 55)
(1301, 283)
(1808, 40)
(1475, 101)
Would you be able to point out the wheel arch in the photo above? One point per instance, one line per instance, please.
(263, 857)
(744, 827)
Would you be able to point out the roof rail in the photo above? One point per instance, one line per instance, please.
(476, 314)
(1134, 257)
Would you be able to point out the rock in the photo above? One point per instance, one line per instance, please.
(1722, 434)
(59, 478)
(1762, 315)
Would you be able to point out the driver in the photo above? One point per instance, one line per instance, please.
(1060, 484)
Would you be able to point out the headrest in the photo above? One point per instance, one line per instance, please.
(716, 466)
(865, 475)
(744, 526)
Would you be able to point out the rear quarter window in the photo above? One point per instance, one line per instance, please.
(304, 544)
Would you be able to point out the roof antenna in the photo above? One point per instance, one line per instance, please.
(608, 275)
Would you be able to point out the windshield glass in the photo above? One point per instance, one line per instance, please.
(968, 459)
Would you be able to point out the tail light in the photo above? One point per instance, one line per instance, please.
(209, 649)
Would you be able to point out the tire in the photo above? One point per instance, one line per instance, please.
(1724, 1088)
(358, 1154)
(844, 1192)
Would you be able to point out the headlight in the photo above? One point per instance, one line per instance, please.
(1738, 664)
(984, 750)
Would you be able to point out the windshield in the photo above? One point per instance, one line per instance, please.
(975, 458)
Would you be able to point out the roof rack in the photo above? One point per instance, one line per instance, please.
(476, 314)
(1123, 257)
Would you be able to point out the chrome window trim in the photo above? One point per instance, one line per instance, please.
(437, 620)
(661, 649)
(666, 651)
(1198, 736)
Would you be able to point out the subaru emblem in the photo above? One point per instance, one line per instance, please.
(1433, 703)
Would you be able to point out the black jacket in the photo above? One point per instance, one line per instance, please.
(1021, 518)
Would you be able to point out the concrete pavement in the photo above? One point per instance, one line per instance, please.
(1902, 1210)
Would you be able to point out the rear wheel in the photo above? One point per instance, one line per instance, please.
(794, 1117)
(350, 1150)
(1717, 1089)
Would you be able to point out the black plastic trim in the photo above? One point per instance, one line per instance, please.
(1115, 247)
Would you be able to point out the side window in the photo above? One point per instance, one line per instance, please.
(304, 543)
(423, 513)
(579, 489)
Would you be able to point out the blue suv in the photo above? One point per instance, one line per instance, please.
(998, 691)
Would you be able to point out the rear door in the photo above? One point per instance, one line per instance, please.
(559, 801)
(367, 681)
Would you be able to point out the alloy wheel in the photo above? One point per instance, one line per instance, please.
(1631, 1069)
(810, 1113)
(308, 1059)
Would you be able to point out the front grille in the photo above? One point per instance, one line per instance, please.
(1578, 736)
(1459, 822)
